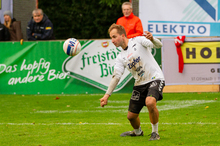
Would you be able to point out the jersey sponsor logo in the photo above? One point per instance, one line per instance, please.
(134, 62)
(141, 73)
(139, 68)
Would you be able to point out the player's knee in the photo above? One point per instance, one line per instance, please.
(132, 117)
(150, 102)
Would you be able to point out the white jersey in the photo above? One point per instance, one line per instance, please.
(137, 58)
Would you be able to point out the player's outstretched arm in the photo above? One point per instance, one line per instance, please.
(111, 87)
(157, 43)
(148, 35)
(104, 100)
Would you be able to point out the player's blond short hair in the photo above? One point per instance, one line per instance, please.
(120, 29)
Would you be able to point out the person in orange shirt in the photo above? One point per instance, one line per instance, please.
(131, 23)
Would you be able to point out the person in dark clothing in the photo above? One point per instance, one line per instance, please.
(13, 26)
(39, 27)
(4, 33)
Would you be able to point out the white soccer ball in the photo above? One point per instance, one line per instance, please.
(72, 47)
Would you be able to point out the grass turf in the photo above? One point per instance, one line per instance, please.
(57, 120)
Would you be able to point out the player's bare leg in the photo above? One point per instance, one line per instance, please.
(135, 123)
(153, 111)
(154, 116)
(134, 119)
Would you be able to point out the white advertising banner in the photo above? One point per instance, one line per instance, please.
(5, 5)
(168, 18)
(201, 61)
(95, 64)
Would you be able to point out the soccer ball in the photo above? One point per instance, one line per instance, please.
(72, 47)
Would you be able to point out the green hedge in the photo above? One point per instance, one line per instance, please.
(81, 19)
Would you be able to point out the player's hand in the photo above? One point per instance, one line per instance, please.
(148, 35)
(104, 100)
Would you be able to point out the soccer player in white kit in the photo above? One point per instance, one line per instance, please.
(149, 79)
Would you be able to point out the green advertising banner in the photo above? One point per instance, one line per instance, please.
(41, 68)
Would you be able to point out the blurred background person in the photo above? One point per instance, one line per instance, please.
(130, 22)
(4, 33)
(39, 27)
(13, 26)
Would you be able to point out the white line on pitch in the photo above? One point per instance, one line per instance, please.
(26, 124)
(166, 105)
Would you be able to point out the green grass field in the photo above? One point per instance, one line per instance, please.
(190, 119)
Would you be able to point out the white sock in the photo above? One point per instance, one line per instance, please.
(138, 131)
(155, 127)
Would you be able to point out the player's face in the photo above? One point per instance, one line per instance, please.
(116, 38)
(126, 10)
(37, 17)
